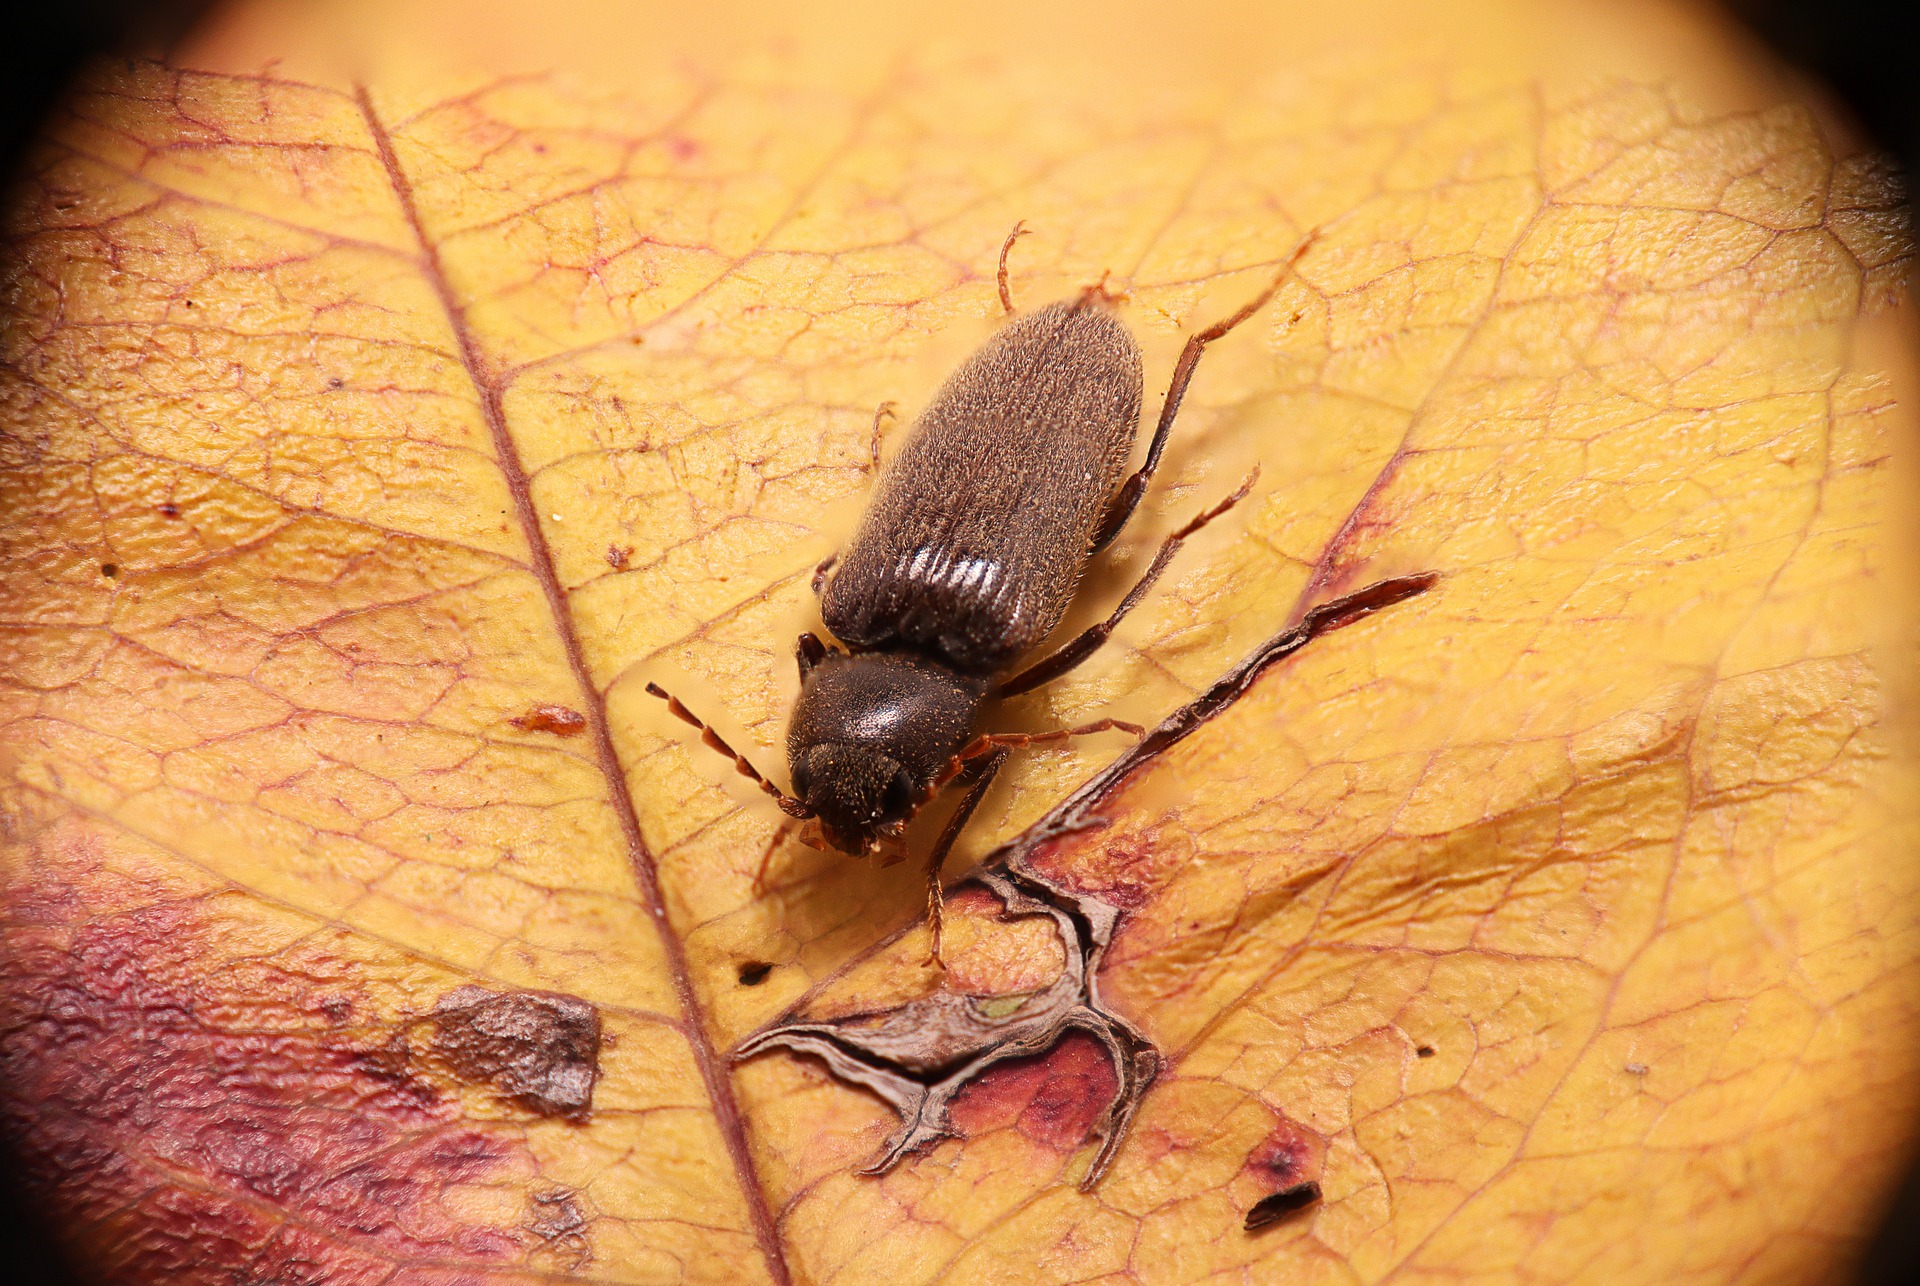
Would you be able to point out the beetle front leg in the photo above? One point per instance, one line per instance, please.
(808, 651)
(820, 572)
(983, 774)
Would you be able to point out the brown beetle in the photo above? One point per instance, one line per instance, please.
(967, 558)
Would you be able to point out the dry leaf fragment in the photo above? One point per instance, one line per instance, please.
(540, 1049)
(561, 721)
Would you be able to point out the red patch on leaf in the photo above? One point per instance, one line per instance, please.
(192, 1126)
(1123, 871)
(1288, 1156)
(1053, 1098)
(559, 720)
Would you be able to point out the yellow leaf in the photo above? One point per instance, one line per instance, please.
(391, 392)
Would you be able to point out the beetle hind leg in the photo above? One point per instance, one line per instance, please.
(1127, 499)
(1020, 230)
(1084, 645)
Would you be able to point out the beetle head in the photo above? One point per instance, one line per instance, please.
(869, 732)
(855, 791)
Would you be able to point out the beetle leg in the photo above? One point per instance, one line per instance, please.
(766, 858)
(881, 414)
(992, 739)
(820, 572)
(1020, 230)
(808, 652)
(1127, 499)
(983, 773)
(1099, 291)
(788, 804)
(987, 742)
(1047, 669)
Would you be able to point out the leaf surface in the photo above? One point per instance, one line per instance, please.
(389, 396)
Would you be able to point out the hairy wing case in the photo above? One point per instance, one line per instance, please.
(980, 529)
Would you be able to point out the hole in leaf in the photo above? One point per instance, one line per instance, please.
(109, 570)
(754, 972)
(1425, 1051)
(1274, 1207)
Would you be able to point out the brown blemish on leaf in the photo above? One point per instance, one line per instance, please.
(546, 717)
(555, 1217)
(922, 1055)
(617, 556)
(540, 1049)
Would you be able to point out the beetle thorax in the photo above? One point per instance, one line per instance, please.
(869, 732)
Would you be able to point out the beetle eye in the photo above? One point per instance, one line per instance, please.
(898, 800)
(802, 781)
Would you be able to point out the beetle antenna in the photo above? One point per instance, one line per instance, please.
(788, 804)
(1020, 230)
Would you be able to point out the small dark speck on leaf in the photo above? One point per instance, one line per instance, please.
(1425, 1051)
(559, 720)
(336, 382)
(539, 1048)
(617, 556)
(754, 972)
(169, 510)
(1274, 1207)
(110, 570)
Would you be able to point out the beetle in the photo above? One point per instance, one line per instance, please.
(968, 556)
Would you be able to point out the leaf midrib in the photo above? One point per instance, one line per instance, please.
(711, 1063)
